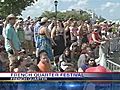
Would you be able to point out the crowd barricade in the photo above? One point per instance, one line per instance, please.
(104, 50)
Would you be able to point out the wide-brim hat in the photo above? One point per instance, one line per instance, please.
(44, 19)
(11, 16)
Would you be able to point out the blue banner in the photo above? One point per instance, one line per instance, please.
(60, 86)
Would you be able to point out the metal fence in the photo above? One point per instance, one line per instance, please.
(113, 66)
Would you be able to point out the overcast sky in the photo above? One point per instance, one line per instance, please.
(109, 9)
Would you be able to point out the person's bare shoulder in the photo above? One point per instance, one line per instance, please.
(43, 28)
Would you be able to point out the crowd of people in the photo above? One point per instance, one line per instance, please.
(45, 45)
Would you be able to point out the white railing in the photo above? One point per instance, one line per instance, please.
(113, 66)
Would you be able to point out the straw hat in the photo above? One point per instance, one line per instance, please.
(11, 16)
(44, 19)
(49, 20)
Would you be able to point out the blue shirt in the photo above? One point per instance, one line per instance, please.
(36, 28)
(84, 67)
(10, 34)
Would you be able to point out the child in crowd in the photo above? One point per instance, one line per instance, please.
(44, 63)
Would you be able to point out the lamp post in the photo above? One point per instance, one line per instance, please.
(56, 3)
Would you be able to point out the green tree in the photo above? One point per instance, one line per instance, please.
(77, 15)
(14, 6)
(48, 14)
(101, 19)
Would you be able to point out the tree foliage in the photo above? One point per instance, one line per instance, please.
(14, 6)
(101, 19)
(77, 15)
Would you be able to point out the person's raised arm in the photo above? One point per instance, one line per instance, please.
(94, 39)
(53, 32)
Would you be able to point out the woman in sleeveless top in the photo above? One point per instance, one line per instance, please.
(44, 39)
(58, 34)
(83, 33)
(67, 31)
(73, 31)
